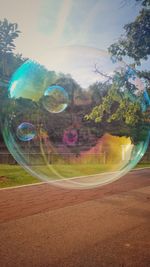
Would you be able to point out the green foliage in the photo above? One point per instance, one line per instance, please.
(98, 90)
(71, 86)
(135, 43)
(120, 111)
(9, 62)
(8, 33)
(117, 106)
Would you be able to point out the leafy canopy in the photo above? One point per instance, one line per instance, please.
(135, 42)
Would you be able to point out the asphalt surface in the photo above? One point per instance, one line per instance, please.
(45, 226)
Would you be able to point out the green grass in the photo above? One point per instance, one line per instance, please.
(76, 170)
(14, 175)
(142, 165)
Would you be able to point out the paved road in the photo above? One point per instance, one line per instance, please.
(44, 226)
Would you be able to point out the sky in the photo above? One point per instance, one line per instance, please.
(49, 23)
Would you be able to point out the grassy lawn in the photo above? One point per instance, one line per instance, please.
(76, 170)
(142, 165)
(14, 175)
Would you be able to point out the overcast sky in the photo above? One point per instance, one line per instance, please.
(47, 23)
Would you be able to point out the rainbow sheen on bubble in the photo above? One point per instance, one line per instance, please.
(73, 98)
(26, 131)
(55, 99)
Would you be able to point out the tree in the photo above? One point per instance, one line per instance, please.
(9, 61)
(70, 85)
(8, 33)
(98, 91)
(135, 43)
(121, 112)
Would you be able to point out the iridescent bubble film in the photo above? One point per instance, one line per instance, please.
(55, 99)
(70, 137)
(26, 131)
(90, 117)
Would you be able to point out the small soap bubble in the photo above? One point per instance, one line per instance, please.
(26, 131)
(55, 99)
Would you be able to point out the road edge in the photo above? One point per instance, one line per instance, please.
(40, 183)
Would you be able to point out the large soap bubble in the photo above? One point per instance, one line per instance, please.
(89, 112)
